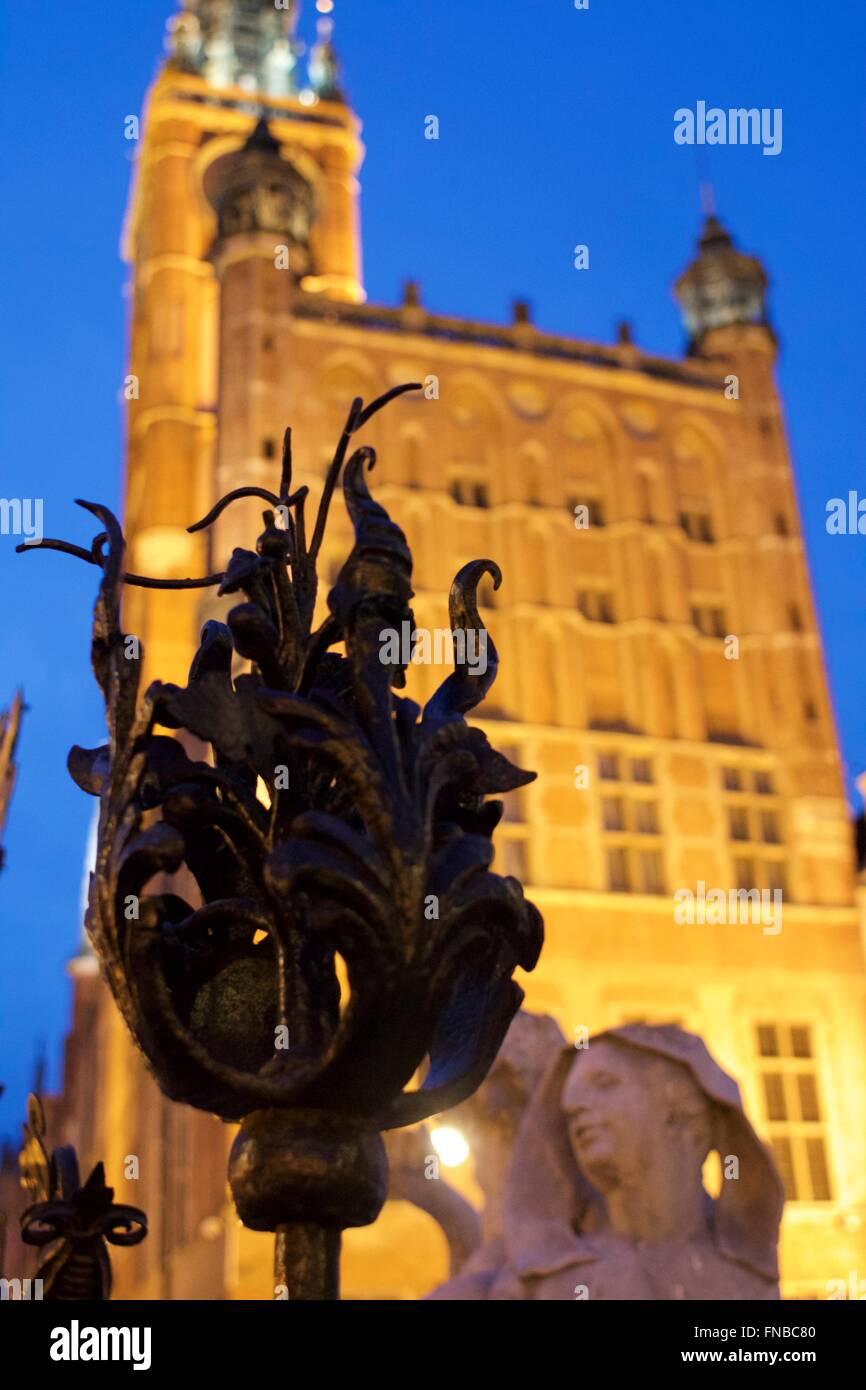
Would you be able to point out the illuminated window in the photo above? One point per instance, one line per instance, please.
(754, 822)
(512, 833)
(738, 823)
(650, 870)
(776, 876)
(769, 828)
(698, 526)
(646, 820)
(744, 873)
(608, 767)
(631, 828)
(596, 605)
(469, 491)
(788, 1072)
(617, 870)
(709, 619)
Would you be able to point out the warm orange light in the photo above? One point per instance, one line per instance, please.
(450, 1145)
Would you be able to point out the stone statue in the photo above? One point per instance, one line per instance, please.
(604, 1197)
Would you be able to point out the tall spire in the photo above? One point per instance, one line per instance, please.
(722, 286)
(238, 43)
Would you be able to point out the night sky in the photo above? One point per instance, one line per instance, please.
(556, 128)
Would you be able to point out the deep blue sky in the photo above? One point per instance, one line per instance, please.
(556, 128)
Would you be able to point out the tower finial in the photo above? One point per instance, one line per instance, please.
(707, 194)
(324, 66)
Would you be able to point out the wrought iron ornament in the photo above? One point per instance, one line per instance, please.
(373, 842)
(70, 1221)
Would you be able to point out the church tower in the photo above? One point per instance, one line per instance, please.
(723, 298)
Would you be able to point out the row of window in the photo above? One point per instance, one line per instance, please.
(756, 871)
(744, 823)
(597, 606)
(710, 619)
(630, 819)
(633, 866)
(697, 525)
(470, 491)
(736, 779)
(614, 767)
(617, 767)
(788, 1073)
(634, 869)
(638, 815)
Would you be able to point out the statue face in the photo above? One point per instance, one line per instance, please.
(613, 1113)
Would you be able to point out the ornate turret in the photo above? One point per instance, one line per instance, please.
(722, 287)
(253, 44)
(255, 189)
(238, 43)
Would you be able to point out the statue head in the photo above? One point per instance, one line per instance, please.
(628, 1111)
(640, 1108)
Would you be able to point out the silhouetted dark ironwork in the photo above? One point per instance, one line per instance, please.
(371, 842)
(71, 1221)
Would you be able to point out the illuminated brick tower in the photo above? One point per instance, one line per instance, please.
(661, 663)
